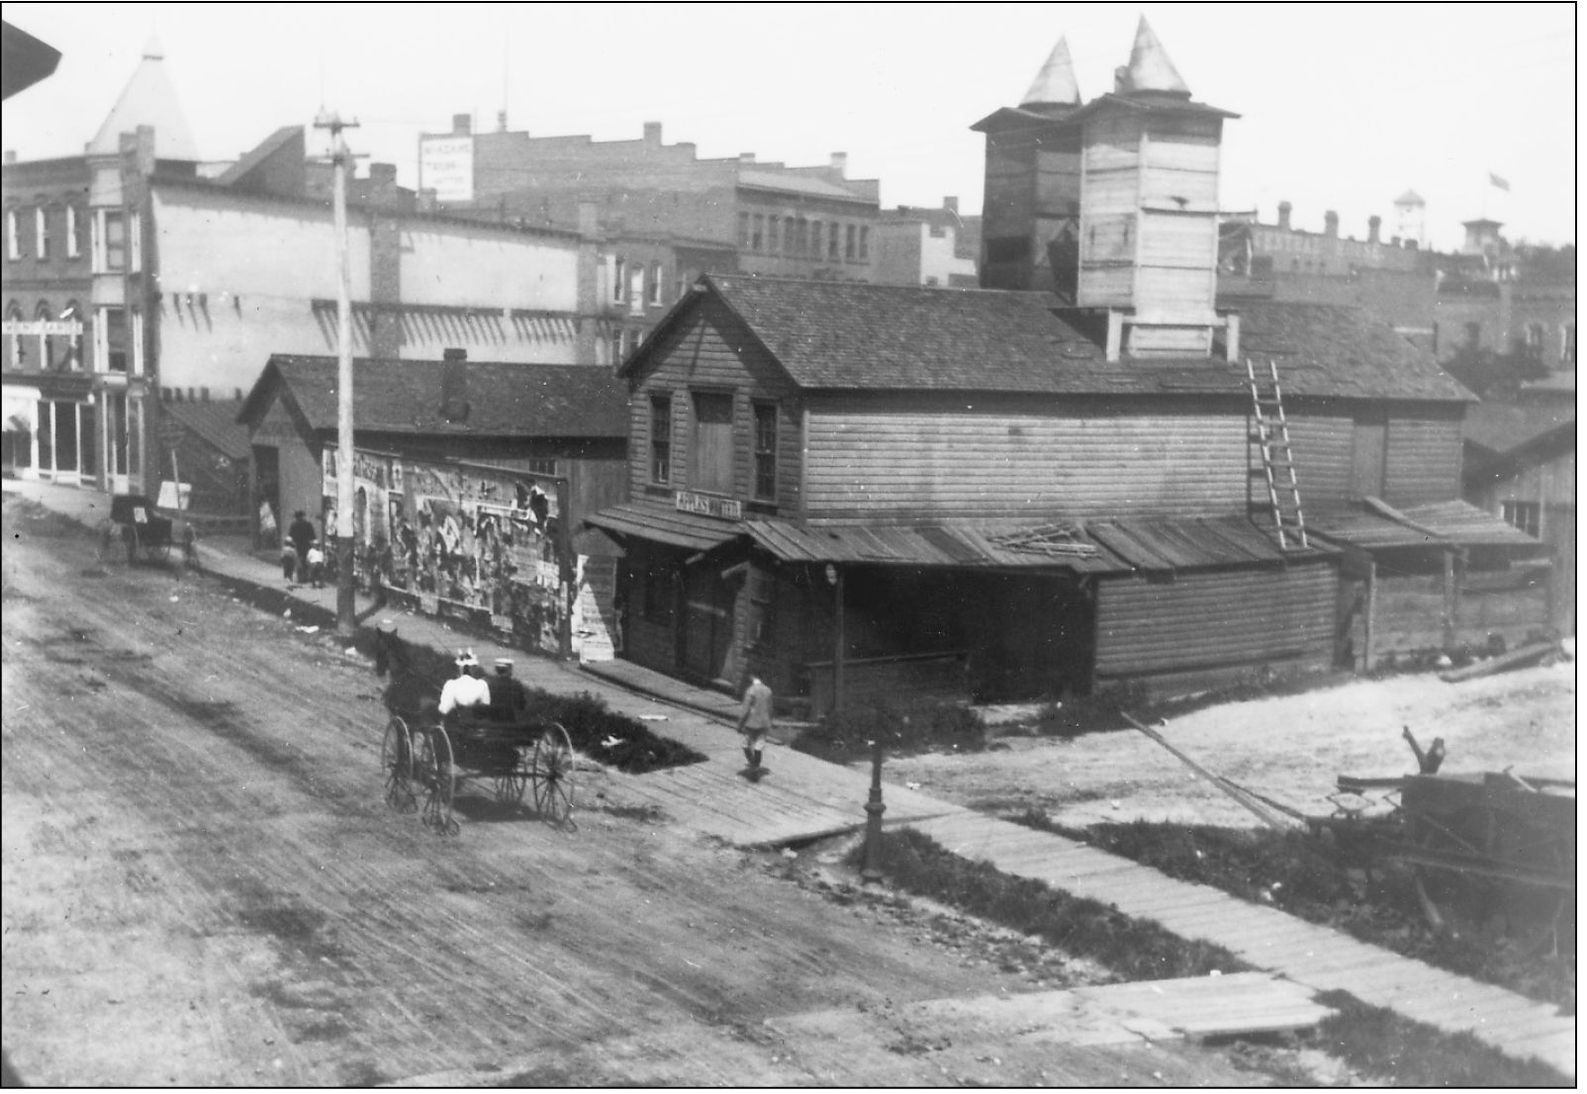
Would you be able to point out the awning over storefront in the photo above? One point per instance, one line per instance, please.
(665, 524)
(1442, 524)
(1098, 547)
(20, 408)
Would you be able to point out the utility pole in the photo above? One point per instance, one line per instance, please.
(346, 611)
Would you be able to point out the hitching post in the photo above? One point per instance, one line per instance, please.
(871, 873)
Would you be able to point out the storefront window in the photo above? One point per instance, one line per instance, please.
(46, 435)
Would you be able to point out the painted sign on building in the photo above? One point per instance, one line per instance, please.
(446, 165)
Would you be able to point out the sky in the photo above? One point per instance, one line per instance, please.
(1343, 106)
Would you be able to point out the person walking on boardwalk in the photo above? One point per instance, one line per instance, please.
(754, 722)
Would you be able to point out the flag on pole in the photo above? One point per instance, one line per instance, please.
(1497, 183)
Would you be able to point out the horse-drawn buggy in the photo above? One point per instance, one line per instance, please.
(496, 744)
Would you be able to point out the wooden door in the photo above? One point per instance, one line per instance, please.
(1367, 459)
(712, 456)
(707, 623)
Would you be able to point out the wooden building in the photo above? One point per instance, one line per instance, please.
(471, 477)
(858, 489)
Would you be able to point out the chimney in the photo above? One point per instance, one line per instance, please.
(746, 158)
(1374, 229)
(950, 205)
(652, 134)
(840, 162)
(454, 385)
(462, 125)
(1284, 209)
(1331, 224)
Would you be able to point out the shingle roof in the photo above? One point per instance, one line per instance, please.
(1333, 350)
(506, 399)
(1504, 427)
(216, 423)
(850, 336)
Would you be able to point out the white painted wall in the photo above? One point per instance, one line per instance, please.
(466, 266)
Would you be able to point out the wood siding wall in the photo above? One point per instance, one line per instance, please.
(705, 355)
(1322, 450)
(912, 460)
(1213, 620)
(1423, 460)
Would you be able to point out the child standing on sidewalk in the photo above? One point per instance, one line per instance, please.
(754, 722)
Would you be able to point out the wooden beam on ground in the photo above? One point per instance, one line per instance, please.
(1244, 798)
(1514, 659)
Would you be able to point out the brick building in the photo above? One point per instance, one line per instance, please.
(136, 276)
(930, 247)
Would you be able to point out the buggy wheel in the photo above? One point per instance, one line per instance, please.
(510, 784)
(433, 762)
(551, 775)
(396, 765)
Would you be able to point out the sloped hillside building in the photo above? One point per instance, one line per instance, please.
(859, 489)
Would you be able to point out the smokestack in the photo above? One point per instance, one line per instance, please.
(1331, 224)
(1284, 209)
(454, 385)
(1374, 229)
(840, 162)
(652, 134)
(462, 125)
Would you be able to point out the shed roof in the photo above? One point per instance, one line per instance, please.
(1437, 524)
(664, 524)
(402, 396)
(850, 336)
(215, 423)
(1501, 428)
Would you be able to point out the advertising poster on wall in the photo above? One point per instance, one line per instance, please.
(473, 541)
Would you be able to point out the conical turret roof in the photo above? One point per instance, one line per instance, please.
(1055, 84)
(148, 99)
(1149, 68)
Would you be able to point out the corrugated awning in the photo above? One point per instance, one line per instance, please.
(1437, 524)
(664, 524)
(1097, 547)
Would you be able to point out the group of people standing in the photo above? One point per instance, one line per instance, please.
(302, 557)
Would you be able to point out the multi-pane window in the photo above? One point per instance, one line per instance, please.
(655, 282)
(815, 239)
(110, 340)
(743, 229)
(765, 450)
(41, 232)
(771, 234)
(74, 232)
(46, 350)
(835, 241)
(617, 347)
(661, 439)
(1525, 515)
(13, 243)
(539, 465)
(619, 270)
(865, 242)
(757, 233)
(110, 241)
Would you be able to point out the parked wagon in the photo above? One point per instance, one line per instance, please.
(425, 767)
(1514, 835)
(145, 532)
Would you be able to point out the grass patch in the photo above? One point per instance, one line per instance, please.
(1316, 879)
(904, 729)
(1397, 1051)
(1134, 949)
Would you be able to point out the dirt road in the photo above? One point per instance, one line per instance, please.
(202, 886)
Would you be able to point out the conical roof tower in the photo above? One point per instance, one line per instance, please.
(1055, 84)
(1150, 68)
(148, 99)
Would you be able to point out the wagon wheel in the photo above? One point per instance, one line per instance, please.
(433, 764)
(1464, 831)
(396, 764)
(157, 552)
(510, 783)
(551, 775)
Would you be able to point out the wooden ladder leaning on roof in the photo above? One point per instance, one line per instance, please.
(1278, 461)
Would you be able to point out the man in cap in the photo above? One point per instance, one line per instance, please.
(508, 700)
(754, 722)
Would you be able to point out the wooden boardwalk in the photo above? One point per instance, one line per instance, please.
(1317, 957)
